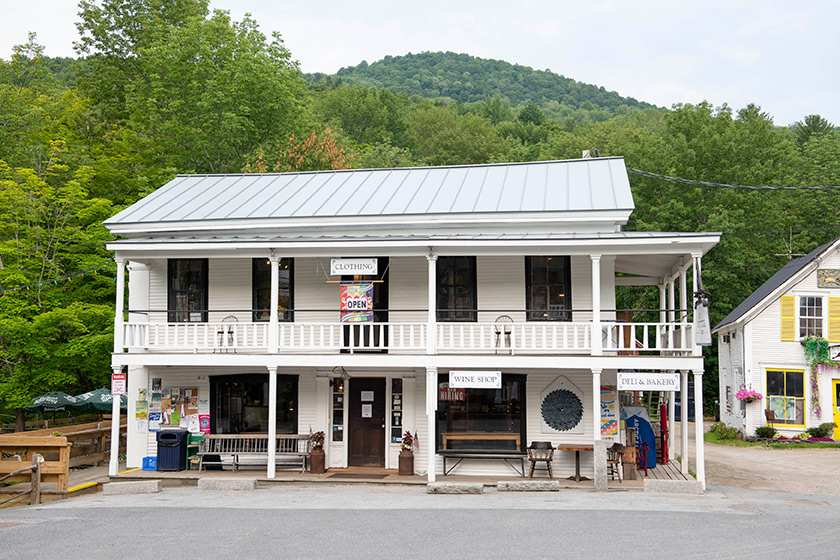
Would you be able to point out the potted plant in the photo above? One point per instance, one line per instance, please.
(406, 466)
(317, 457)
(748, 395)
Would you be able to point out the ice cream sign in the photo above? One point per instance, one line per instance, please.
(356, 303)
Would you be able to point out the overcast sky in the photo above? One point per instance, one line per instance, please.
(778, 54)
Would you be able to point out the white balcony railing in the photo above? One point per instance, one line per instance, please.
(410, 338)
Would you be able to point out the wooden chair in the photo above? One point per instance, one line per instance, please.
(614, 462)
(540, 451)
(227, 333)
(503, 328)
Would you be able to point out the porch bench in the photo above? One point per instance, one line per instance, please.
(506, 456)
(291, 449)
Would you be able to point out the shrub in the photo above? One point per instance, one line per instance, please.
(724, 432)
(824, 430)
(765, 432)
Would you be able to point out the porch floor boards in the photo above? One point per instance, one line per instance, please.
(671, 471)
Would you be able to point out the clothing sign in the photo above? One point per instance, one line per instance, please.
(118, 384)
(628, 381)
(341, 267)
(475, 379)
(356, 303)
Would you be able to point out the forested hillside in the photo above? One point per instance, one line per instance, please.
(186, 90)
(469, 79)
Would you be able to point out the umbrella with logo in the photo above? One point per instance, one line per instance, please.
(54, 401)
(99, 400)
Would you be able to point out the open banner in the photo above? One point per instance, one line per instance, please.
(356, 303)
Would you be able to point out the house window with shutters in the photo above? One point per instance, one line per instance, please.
(810, 315)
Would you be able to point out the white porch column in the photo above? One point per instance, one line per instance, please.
(695, 284)
(596, 305)
(672, 426)
(671, 307)
(120, 306)
(273, 315)
(663, 316)
(431, 321)
(700, 458)
(596, 403)
(431, 413)
(272, 419)
(684, 422)
(684, 307)
(114, 460)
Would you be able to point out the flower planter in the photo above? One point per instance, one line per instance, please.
(749, 400)
(406, 467)
(317, 461)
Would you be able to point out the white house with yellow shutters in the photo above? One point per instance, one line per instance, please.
(760, 348)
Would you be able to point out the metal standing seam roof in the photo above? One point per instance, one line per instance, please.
(599, 184)
(780, 277)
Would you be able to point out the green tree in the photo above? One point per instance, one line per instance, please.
(810, 126)
(366, 115)
(203, 90)
(442, 137)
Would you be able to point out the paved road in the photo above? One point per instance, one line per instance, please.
(301, 521)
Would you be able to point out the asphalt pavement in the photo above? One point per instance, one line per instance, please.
(372, 521)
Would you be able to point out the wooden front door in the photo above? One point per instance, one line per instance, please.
(366, 422)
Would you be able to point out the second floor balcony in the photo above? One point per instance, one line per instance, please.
(503, 335)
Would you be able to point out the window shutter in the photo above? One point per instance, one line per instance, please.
(834, 319)
(788, 317)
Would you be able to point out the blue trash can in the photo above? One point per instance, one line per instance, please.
(172, 450)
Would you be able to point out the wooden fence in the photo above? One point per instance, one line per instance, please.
(17, 453)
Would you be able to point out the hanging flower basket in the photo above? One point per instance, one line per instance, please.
(748, 395)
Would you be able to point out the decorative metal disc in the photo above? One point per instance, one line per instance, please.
(562, 410)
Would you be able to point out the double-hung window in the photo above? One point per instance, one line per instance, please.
(548, 294)
(187, 293)
(456, 289)
(810, 316)
(261, 279)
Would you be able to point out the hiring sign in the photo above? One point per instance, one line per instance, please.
(630, 381)
(118, 384)
(475, 379)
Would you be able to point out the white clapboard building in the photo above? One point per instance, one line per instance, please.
(473, 306)
(760, 349)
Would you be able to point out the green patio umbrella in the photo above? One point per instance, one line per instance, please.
(54, 401)
(99, 400)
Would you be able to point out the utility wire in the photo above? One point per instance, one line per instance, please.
(680, 180)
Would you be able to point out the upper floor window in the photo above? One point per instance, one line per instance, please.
(548, 292)
(187, 293)
(456, 289)
(261, 272)
(810, 316)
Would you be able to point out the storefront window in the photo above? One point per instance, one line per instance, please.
(786, 396)
(338, 409)
(482, 419)
(240, 404)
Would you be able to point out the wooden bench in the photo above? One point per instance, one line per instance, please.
(480, 436)
(506, 456)
(289, 449)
